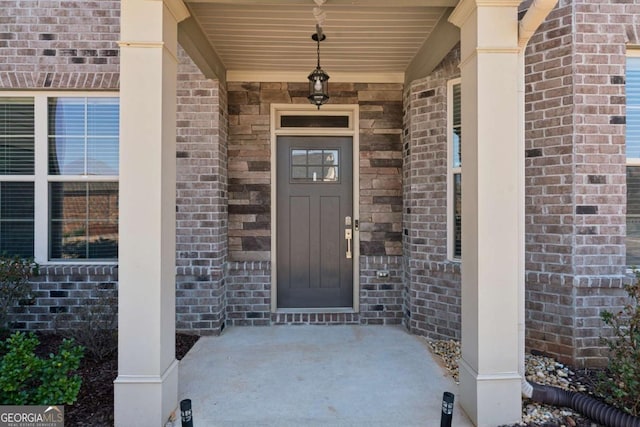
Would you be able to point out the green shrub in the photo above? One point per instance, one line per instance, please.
(26, 379)
(15, 273)
(97, 327)
(621, 384)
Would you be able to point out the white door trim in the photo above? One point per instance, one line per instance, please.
(350, 110)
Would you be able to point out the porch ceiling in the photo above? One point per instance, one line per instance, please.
(364, 37)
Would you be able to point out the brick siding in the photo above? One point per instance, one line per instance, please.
(201, 201)
(381, 283)
(575, 175)
(249, 293)
(315, 318)
(53, 44)
(61, 292)
(61, 45)
(432, 282)
(575, 180)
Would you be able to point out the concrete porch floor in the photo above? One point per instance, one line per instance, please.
(315, 376)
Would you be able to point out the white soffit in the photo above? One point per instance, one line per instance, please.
(375, 40)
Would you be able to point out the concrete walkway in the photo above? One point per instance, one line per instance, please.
(315, 376)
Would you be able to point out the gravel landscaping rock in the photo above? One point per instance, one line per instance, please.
(539, 369)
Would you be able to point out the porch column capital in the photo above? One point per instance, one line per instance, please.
(465, 8)
(151, 23)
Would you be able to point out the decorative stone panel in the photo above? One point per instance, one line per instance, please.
(249, 273)
(250, 167)
(52, 44)
(380, 169)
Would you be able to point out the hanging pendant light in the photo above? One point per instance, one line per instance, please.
(318, 79)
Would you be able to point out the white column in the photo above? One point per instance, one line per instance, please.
(492, 188)
(146, 389)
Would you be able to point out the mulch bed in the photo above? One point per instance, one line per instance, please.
(94, 406)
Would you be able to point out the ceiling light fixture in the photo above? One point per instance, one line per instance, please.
(318, 79)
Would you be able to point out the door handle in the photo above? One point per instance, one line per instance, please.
(348, 235)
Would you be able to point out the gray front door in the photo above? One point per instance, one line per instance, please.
(315, 206)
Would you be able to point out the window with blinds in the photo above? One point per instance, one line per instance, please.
(83, 142)
(84, 220)
(454, 133)
(68, 177)
(17, 163)
(633, 160)
(17, 218)
(83, 136)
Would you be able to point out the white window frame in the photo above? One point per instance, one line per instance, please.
(451, 171)
(41, 177)
(631, 161)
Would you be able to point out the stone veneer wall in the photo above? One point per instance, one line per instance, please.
(201, 203)
(249, 270)
(432, 294)
(575, 175)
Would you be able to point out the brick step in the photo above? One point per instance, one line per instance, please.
(315, 318)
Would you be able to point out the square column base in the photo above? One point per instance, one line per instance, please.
(490, 399)
(146, 400)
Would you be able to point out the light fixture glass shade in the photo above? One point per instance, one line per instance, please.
(318, 79)
(318, 87)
